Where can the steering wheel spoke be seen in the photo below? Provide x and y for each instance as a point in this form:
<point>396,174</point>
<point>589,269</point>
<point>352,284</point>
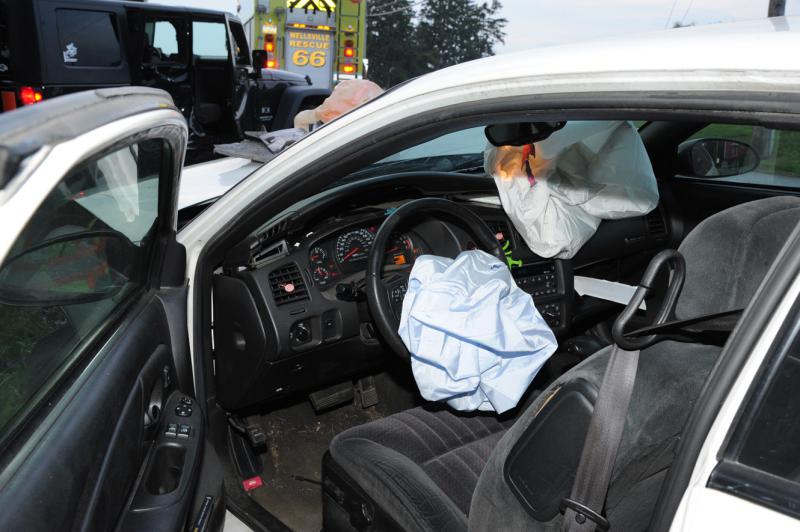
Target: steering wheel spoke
<point>396,285</point>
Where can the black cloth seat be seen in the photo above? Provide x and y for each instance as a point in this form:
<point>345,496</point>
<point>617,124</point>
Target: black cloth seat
<point>447,453</point>
<point>434,469</point>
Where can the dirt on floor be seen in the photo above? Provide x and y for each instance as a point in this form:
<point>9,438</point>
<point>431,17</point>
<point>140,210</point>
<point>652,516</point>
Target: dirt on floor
<point>297,438</point>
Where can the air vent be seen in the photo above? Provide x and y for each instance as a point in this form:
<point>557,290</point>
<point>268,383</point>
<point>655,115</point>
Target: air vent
<point>270,253</point>
<point>500,226</point>
<point>275,230</point>
<point>656,226</point>
<point>287,285</point>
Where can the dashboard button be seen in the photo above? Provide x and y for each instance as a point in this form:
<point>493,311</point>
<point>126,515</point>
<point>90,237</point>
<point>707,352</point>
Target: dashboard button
<point>300,333</point>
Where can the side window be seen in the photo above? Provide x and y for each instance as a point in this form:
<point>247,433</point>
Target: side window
<point>744,154</point>
<point>772,442</point>
<point>76,262</point>
<point>209,40</point>
<point>88,38</point>
<point>762,461</point>
<point>163,44</point>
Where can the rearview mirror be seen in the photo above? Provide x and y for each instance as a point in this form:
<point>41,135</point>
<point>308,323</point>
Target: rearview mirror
<point>76,268</point>
<point>520,134</point>
<point>712,158</point>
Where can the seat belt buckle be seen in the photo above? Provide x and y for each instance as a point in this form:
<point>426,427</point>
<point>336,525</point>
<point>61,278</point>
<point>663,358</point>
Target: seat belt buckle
<point>583,512</point>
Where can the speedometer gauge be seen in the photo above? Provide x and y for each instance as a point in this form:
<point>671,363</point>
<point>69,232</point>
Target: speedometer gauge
<point>353,246</point>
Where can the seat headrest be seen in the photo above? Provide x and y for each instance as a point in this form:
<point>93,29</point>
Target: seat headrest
<point>728,254</point>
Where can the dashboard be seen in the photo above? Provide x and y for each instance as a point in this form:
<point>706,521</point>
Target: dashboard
<point>346,252</point>
<point>290,311</point>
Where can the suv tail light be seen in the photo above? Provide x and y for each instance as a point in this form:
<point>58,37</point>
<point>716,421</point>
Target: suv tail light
<point>29,95</point>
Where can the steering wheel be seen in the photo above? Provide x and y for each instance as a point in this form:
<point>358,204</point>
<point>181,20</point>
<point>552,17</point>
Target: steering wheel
<point>385,295</point>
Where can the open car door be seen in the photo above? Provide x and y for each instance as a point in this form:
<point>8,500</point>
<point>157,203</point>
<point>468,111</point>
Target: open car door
<point>99,426</point>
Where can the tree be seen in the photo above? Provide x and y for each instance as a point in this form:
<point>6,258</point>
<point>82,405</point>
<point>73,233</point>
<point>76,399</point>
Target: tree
<point>391,46</point>
<point>454,31</point>
<point>448,32</point>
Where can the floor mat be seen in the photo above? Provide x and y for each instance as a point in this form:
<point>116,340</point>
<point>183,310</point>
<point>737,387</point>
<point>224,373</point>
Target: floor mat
<point>297,438</point>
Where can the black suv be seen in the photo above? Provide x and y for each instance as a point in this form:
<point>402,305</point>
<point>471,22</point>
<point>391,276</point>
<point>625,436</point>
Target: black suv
<point>201,57</point>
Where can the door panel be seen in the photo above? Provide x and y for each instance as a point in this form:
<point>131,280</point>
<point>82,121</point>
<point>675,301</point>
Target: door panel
<point>103,443</point>
<point>98,426</point>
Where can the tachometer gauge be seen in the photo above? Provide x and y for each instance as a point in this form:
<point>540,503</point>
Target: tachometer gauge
<point>353,246</point>
<point>400,250</point>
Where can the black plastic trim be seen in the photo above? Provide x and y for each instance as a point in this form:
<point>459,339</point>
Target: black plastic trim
<point>757,487</point>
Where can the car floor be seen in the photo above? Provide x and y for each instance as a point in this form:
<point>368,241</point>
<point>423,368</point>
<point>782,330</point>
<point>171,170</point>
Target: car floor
<point>297,438</point>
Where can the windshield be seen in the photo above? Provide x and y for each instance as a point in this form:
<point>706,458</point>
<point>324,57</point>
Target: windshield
<point>460,151</point>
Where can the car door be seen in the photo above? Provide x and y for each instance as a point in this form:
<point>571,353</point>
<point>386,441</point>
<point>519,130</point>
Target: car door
<point>160,55</point>
<point>244,86</point>
<point>99,426</point>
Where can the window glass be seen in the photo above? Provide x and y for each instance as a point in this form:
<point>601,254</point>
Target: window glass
<point>162,42</point>
<point>209,40</point>
<point>771,442</point>
<point>459,151</point>
<point>78,259</point>
<point>88,38</point>
<point>778,152</point>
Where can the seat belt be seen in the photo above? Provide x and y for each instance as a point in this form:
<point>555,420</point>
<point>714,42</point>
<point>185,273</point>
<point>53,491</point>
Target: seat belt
<point>583,510</point>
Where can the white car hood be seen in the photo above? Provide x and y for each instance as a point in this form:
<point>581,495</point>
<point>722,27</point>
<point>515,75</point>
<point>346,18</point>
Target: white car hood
<point>206,181</point>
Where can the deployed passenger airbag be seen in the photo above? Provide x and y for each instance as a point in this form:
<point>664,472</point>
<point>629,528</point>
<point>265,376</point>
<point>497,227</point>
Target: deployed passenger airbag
<point>476,339</point>
<point>557,190</point>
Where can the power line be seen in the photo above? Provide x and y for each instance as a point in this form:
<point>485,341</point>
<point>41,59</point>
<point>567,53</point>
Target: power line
<point>386,4</point>
<point>381,5</point>
<point>400,10</point>
<point>683,18</point>
<point>669,17</point>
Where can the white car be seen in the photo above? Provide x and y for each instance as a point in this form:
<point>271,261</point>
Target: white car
<point>246,371</point>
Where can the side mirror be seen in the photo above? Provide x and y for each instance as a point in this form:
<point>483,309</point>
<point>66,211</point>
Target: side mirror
<point>712,158</point>
<point>259,60</point>
<point>75,268</point>
<point>520,134</point>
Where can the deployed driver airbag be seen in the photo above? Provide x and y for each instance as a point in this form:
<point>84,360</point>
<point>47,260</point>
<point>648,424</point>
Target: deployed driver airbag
<point>476,339</point>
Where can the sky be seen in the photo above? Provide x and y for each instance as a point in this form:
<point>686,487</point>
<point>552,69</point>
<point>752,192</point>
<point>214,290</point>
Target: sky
<point>533,23</point>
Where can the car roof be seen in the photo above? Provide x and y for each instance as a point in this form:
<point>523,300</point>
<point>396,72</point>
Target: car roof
<point>153,6</point>
<point>747,46</point>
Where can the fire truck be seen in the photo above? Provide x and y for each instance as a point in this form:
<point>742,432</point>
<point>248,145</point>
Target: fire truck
<point>322,39</point>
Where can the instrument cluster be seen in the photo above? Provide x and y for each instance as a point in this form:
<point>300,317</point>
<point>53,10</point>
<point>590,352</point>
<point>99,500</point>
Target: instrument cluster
<point>347,253</point>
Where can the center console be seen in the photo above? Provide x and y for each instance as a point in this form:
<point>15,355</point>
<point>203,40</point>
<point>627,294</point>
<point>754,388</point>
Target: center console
<point>550,284</point>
